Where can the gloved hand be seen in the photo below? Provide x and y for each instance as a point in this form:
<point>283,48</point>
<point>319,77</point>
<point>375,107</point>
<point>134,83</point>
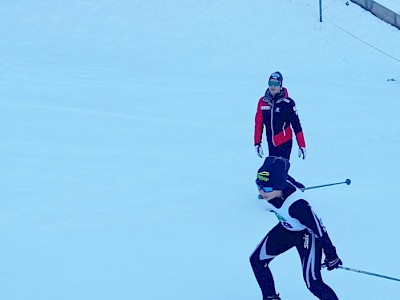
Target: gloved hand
<point>302,152</point>
<point>259,150</point>
<point>333,263</point>
<point>297,184</point>
<point>274,297</point>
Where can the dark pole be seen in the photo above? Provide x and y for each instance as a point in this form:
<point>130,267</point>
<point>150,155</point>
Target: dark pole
<point>320,10</point>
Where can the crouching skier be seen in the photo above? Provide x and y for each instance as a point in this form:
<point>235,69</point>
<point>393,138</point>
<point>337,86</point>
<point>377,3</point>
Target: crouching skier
<point>298,227</point>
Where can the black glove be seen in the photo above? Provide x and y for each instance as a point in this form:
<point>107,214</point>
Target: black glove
<point>259,150</point>
<point>302,152</point>
<point>333,263</point>
<point>293,181</point>
<point>332,260</point>
<point>273,297</point>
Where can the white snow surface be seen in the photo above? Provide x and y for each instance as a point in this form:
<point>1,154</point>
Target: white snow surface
<point>127,159</point>
<point>393,5</point>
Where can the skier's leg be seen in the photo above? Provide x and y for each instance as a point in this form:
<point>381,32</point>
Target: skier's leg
<point>310,251</point>
<point>275,242</point>
<point>283,150</point>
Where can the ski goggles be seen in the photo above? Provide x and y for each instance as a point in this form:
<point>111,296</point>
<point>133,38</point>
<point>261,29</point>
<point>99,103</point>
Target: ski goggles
<point>274,83</point>
<point>265,189</point>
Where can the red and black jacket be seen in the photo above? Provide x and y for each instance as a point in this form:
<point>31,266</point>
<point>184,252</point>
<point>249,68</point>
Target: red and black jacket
<point>280,118</point>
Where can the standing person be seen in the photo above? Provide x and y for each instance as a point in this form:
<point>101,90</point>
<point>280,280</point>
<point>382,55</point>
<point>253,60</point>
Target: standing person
<point>298,227</point>
<point>277,112</point>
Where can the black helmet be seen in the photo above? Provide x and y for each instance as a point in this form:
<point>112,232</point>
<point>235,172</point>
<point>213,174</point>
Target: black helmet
<point>273,173</point>
<point>277,76</point>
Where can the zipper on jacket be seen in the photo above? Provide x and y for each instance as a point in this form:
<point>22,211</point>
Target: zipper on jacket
<point>272,123</point>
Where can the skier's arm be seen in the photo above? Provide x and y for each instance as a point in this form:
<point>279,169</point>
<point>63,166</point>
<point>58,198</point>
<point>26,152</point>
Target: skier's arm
<point>301,210</point>
<point>258,124</point>
<point>295,183</point>
<point>296,125</point>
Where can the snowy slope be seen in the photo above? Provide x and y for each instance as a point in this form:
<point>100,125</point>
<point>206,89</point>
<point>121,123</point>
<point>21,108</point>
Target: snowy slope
<point>127,164</point>
<point>393,5</point>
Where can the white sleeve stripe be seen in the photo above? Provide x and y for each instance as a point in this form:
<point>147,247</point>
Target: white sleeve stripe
<point>320,233</point>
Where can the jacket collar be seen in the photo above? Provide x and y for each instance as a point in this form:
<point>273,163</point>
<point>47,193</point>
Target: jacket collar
<point>278,97</point>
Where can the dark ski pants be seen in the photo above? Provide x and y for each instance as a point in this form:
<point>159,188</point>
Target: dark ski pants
<point>283,150</point>
<point>279,240</point>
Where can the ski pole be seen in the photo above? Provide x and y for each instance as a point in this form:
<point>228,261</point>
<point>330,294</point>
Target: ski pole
<point>347,181</point>
<point>366,273</point>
